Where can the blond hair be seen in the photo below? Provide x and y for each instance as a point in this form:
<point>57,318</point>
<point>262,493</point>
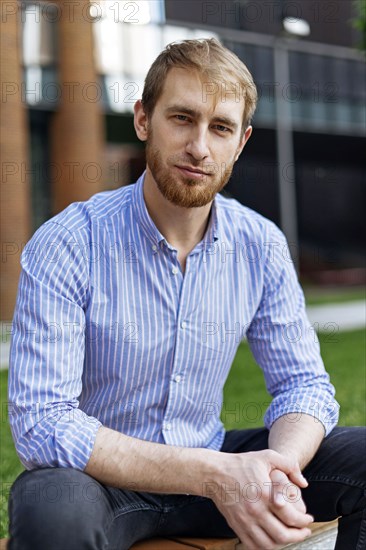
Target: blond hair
<point>212,61</point>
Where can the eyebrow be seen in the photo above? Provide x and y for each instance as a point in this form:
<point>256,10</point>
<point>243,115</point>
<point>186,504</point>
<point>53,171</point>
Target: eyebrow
<point>196,114</point>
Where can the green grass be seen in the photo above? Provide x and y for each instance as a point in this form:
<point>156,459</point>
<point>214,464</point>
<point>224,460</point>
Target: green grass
<point>344,355</point>
<point>10,465</point>
<point>317,295</point>
<point>245,398</point>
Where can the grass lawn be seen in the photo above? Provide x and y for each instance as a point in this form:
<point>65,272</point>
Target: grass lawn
<point>344,355</point>
<point>317,295</point>
<point>245,402</point>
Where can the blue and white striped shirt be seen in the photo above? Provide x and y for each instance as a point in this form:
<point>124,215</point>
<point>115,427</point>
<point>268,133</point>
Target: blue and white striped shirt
<point>108,331</point>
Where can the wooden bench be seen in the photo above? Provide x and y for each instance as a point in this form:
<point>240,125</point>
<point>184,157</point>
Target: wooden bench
<point>320,531</point>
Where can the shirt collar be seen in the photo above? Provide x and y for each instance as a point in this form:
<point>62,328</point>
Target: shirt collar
<point>152,232</point>
<point>142,215</point>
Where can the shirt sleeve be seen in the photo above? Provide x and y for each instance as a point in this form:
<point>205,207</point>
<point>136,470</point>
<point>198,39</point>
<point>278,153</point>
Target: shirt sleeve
<point>285,345</point>
<point>47,353</point>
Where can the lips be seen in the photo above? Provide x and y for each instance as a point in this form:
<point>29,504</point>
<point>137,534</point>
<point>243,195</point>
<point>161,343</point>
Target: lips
<point>193,171</point>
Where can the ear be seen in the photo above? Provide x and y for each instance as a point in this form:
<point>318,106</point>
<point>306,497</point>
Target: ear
<point>244,139</point>
<point>140,121</point>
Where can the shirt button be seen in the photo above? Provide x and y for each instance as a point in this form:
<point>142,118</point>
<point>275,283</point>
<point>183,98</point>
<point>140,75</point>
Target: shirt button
<point>154,247</point>
<point>175,270</point>
<point>168,426</point>
<point>183,324</point>
<point>178,378</point>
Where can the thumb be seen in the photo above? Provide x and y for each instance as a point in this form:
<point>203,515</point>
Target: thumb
<point>290,467</point>
<point>297,477</point>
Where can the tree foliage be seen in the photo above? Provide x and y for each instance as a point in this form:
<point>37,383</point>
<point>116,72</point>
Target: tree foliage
<point>359,21</point>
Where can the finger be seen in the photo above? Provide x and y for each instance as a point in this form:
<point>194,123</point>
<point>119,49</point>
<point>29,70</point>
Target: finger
<point>283,527</point>
<point>283,534</point>
<point>280,499</point>
<point>289,467</point>
<point>257,537</point>
<point>297,477</point>
<point>290,515</point>
<point>283,489</point>
<point>251,535</point>
<point>288,492</point>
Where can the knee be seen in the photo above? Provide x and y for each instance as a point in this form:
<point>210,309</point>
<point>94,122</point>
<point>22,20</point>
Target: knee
<point>57,508</point>
<point>348,444</point>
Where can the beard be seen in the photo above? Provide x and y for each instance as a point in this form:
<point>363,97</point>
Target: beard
<point>184,191</point>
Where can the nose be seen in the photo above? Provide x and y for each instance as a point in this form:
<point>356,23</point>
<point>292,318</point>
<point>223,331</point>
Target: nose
<point>197,145</point>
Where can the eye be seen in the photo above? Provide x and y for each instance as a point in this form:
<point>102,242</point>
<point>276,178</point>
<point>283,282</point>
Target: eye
<point>183,118</point>
<point>221,128</point>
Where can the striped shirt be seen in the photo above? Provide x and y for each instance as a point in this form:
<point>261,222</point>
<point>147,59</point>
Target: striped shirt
<point>108,331</point>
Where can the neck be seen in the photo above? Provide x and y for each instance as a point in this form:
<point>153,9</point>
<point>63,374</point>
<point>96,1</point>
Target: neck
<point>182,227</point>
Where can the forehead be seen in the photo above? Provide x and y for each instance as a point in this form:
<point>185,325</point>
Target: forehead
<point>189,88</point>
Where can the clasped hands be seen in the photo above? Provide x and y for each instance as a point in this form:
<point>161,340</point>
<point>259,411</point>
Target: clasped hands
<point>260,498</point>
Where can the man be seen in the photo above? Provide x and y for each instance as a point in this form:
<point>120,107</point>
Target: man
<point>116,373</point>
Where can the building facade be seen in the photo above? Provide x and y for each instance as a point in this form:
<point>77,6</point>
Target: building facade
<point>72,70</point>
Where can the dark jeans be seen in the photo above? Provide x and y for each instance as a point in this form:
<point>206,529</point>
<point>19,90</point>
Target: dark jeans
<point>62,508</point>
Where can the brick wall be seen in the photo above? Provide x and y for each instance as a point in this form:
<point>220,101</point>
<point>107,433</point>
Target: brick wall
<point>77,132</point>
<point>15,183</point>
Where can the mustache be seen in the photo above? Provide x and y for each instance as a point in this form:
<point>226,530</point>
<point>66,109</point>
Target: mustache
<point>206,166</point>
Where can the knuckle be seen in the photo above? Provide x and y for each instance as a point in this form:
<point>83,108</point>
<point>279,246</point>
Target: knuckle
<point>254,511</point>
<point>291,523</point>
<point>284,538</point>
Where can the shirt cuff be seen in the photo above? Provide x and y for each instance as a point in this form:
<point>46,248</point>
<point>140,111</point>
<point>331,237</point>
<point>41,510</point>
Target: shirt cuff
<point>58,440</point>
<point>325,409</point>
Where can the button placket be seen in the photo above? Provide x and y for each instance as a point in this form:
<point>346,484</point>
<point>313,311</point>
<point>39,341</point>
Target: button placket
<point>182,325</point>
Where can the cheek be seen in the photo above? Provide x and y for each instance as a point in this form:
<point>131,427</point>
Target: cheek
<point>224,152</point>
<point>169,138</point>
<point>177,136</point>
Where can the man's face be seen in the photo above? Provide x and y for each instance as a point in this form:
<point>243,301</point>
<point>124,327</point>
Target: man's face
<point>193,139</point>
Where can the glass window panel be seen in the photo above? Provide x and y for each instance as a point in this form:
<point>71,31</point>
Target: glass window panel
<point>201,33</point>
<point>260,61</point>
<point>141,44</point>
<point>357,77</point>
<point>31,34</point>
<point>136,12</point>
<point>109,46</point>
<point>48,43</point>
<point>170,33</point>
<point>121,93</point>
<point>33,85</point>
<point>157,9</point>
<point>38,35</point>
